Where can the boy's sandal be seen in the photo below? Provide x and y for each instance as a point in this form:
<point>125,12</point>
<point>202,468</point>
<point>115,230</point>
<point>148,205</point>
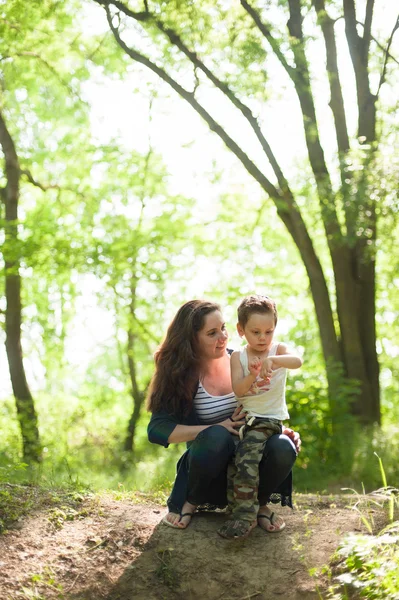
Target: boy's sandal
<point>235,530</point>
<point>276,527</point>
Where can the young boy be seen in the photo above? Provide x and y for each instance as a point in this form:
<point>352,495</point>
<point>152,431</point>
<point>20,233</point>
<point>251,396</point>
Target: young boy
<point>258,373</point>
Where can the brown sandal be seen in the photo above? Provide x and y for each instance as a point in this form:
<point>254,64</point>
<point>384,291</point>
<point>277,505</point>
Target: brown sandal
<point>236,530</point>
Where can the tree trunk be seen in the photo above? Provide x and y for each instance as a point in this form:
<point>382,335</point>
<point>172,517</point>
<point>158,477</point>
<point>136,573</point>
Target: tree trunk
<point>24,402</point>
<point>364,249</point>
<point>137,394</point>
<point>348,342</point>
<point>342,254</point>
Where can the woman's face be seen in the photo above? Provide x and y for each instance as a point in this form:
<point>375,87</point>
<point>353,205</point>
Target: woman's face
<point>212,338</point>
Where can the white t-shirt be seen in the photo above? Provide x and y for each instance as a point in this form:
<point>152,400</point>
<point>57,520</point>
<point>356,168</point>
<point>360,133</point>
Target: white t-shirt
<point>267,401</point>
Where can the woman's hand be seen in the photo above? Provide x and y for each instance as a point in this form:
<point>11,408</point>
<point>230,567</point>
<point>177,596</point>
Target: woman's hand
<point>294,437</point>
<point>234,422</point>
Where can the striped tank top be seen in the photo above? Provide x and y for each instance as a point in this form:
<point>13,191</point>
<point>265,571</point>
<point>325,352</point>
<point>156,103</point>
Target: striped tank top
<point>213,409</point>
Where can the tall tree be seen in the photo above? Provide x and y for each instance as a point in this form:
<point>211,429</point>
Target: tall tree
<point>170,37</point>
<point>138,231</point>
<point>36,98</point>
<point>10,195</point>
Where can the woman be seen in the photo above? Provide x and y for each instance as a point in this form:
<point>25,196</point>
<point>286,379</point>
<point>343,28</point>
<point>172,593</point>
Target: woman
<point>191,400</point>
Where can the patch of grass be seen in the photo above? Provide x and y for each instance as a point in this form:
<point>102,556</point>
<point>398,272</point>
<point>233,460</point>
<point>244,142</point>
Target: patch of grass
<point>157,496</point>
<point>18,500</point>
<point>57,516</point>
<point>166,571</point>
<point>367,565</point>
<point>15,502</point>
<point>45,579</point>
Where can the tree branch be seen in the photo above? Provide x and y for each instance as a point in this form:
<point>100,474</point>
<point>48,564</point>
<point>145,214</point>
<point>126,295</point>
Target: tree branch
<point>267,34</point>
<point>33,181</point>
<point>10,24</point>
<point>350,23</point>
<point>101,42</point>
<point>28,54</point>
<point>250,166</point>
<point>336,103</point>
<point>303,88</point>
<point>301,80</point>
<point>337,100</point>
<point>367,29</point>
<point>147,332</point>
<point>138,16</point>
<point>12,172</point>
<point>287,209</point>
<point>359,52</point>
<point>381,47</point>
<point>177,41</point>
<point>386,56</point>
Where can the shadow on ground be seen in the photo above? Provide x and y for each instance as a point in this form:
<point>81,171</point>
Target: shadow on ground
<point>197,564</point>
<point>118,550</point>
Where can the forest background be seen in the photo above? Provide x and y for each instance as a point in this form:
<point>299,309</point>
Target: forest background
<point>153,152</point>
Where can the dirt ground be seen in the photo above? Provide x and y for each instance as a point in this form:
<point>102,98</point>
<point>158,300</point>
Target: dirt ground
<point>119,550</point>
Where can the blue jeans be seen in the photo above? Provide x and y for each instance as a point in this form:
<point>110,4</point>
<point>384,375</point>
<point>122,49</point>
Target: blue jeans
<point>202,470</point>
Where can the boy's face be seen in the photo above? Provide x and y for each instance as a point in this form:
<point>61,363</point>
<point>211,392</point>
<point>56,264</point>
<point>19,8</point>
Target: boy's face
<point>258,331</point>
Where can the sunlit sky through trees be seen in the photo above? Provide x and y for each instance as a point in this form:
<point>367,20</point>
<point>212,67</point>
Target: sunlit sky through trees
<point>199,165</point>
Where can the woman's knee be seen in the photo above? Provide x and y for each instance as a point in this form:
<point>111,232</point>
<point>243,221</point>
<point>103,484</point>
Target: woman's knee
<point>281,450</point>
<point>214,444</point>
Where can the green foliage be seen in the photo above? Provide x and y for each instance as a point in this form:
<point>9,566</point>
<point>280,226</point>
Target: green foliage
<point>83,446</point>
<point>109,231</point>
<point>42,68</point>
<point>329,437</point>
<point>367,566</point>
<point>20,499</point>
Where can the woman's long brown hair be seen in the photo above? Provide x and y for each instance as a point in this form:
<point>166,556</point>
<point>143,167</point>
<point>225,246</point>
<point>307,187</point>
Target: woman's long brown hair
<point>177,360</point>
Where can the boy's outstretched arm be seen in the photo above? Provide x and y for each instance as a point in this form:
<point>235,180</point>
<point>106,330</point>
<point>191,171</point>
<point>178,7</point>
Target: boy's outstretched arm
<point>286,357</point>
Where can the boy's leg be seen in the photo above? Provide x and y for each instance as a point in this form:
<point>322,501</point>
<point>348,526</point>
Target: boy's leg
<point>231,475</point>
<point>248,455</point>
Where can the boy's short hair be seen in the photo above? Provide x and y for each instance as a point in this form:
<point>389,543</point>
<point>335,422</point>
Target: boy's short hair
<point>256,304</point>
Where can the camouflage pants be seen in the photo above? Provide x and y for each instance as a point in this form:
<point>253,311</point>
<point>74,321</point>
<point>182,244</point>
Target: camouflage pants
<point>243,471</point>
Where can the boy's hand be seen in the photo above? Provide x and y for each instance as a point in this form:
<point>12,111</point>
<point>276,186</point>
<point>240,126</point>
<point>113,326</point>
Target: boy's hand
<point>266,368</point>
<point>255,366</point>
